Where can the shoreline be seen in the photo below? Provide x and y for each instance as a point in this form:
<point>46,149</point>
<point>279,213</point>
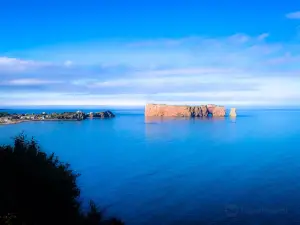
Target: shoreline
<point>6,118</point>
<point>49,120</point>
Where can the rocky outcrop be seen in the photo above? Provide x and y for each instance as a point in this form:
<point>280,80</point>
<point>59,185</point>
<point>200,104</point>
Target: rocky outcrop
<point>184,111</point>
<point>216,111</point>
<point>232,112</point>
<point>105,114</point>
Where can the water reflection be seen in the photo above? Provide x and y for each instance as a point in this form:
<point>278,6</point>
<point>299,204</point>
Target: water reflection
<point>233,119</point>
<point>179,128</point>
<point>151,120</point>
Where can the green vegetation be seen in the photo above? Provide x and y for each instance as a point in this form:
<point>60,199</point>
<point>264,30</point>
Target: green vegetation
<point>2,114</point>
<point>38,189</point>
<point>6,118</point>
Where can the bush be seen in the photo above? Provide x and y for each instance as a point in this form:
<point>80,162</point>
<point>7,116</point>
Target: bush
<point>38,189</point>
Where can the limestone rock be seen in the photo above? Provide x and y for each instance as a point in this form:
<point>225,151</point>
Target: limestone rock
<point>210,108</point>
<point>216,111</point>
<point>232,112</point>
<point>219,111</point>
<point>204,110</point>
<point>183,111</point>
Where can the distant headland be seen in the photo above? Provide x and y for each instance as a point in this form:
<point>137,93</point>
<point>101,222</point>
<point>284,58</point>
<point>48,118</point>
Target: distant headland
<point>7,118</point>
<point>163,110</point>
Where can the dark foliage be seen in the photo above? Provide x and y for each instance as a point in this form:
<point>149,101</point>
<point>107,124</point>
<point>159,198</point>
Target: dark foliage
<point>2,114</point>
<point>38,189</point>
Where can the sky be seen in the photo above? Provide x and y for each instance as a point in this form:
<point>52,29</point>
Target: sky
<point>116,52</point>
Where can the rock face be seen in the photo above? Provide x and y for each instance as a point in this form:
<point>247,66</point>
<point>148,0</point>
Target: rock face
<point>232,112</point>
<point>216,111</point>
<point>105,114</point>
<point>184,111</point>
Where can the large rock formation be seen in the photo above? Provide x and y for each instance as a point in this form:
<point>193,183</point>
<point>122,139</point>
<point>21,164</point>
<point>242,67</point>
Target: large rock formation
<point>216,111</point>
<point>184,111</point>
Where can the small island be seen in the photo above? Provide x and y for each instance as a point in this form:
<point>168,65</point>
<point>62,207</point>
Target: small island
<point>7,118</point>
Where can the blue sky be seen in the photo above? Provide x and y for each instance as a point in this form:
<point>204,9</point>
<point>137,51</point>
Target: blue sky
<point>133,52</point>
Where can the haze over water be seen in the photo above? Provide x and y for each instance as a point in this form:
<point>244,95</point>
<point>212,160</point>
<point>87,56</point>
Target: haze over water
<point>175,171</point>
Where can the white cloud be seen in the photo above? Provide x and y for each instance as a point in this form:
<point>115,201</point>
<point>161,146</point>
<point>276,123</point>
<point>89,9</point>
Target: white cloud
<point>26,82</point>
<point>263,36</point>
<point>293,15</point>
<point>239,38</point>
<point>14,61</point>
<point>238,69</point>
<point>68,63</point>
<point>14,64</point>
<point>8,64</point>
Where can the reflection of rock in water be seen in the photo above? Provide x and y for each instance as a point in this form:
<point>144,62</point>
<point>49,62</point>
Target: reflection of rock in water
<point>165,128</point>
<point>162,128</point>
<point>153,128</point>
<point>211,118</point>
<point>152,120</point>
<point>160,119</point>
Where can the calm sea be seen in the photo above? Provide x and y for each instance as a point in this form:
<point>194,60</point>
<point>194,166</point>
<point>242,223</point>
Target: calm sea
<point>182,171</point>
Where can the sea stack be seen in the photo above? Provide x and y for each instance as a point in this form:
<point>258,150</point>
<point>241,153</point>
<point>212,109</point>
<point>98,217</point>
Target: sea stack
<point>232,112</point>
<point>163,110</point>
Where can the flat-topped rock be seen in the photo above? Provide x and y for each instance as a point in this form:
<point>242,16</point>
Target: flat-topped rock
<point>184,111</point>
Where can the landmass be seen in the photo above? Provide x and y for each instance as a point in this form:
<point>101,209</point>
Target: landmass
<point>163,110</point>
<point>7,118</point>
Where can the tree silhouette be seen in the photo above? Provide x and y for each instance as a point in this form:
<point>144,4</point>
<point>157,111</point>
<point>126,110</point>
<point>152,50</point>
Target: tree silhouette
<point>38,189</point>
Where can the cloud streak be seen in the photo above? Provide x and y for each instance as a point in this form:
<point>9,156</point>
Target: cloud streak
<point>293,15</point>
<point>25,82</point>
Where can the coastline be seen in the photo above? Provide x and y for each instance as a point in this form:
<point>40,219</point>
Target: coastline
<point>23,121</point>
<point>48,120</point>
<point>11,123</point>
<point>6,118</point>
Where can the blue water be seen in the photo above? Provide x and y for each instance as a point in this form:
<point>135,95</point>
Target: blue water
<point>182,171</point>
